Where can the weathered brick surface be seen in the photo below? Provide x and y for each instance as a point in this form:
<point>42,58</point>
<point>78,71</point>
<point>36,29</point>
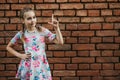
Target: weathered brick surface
<point>91,30</point>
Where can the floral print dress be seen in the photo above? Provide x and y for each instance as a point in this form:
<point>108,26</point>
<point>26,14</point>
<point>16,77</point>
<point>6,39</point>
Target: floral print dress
<point>37,67</point>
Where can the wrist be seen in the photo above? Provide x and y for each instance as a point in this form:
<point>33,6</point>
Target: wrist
<point>57,28</point>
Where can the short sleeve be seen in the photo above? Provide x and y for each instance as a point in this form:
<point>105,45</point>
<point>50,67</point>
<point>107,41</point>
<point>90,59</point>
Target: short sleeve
<point>51,36</point>
<point>16,38</point>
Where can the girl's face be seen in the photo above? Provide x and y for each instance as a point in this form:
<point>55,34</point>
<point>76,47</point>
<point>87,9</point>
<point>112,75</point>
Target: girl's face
<point>30,19</point>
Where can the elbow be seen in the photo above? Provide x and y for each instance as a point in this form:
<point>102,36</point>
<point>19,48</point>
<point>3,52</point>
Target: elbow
<point>7,48</point>
<point>61,43</point>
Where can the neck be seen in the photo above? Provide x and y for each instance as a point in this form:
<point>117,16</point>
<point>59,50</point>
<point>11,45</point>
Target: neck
<point>31,28</point>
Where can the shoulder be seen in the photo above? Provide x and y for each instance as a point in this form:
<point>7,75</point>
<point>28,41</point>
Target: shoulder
<point>43,29</point>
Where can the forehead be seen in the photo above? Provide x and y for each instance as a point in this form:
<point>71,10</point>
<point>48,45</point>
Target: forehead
<point>29,14</point>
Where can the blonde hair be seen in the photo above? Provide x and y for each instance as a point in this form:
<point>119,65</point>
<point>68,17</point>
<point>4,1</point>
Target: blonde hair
<point>22,12</point>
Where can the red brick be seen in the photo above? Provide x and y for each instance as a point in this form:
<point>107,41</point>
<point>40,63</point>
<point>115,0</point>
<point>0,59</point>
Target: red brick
<point>82,33</point>
<point>88,73</point>
<point>84,40</point>
<point>71,40</point>
<point>12,1</point>
<point>9,60</point>
<point>24,1</point>
<point>1,26</point>
<point>81,13</point>
<point>70,78</point>
<point>2,1</point>
<point>20,6</point>
<point>70,53</point>
<point>63,73</point>
<point>95,53</point>
<point>43,19</point>
<point>107,33</point>
<point>66,33</point>
<point>38,13</point>
<point>106,12</point>
<point>37,1</point>
<point>112,0</point>
<point>10,13</point>
<point>3,53</point>
<point>74,0</point>
<point>2,47</point>
<point>59,47</point>
<point>47,6</point>
<point>71,6</point>
<point>4,6</point>
<point>3,78</point>
<point>4,20</point>
<point>58,12</point>
<point>2,41</point>
<point>84,66</point>
<point>47,13</point>
<point>71,13</point>
<point>109,73</point>
<point>117,66</point>
<point>60,1</point>
<point>93,13</point>
<point>72,66</point>
<point>108,39</point>
<point>98,78</point>
<point>83,60</point>
<point>83,46</point>
<point>95,66</point>
<point>96,40</point>
<point>117,25</point>
<point>69,19</point>
<point>111,78</point>
<point>7,73</point>
<point>15,20</point>
<point>107,59</point>
<point>108,26</point>
<point>11,67</point>
<point>59,66</point>
<point>10,27</point>
<point>58,53</point>
<point>83,53</point>
<point>99,0</point>
<point>92,19</point>
<point>71,27</point>
<point>83,26</point>
<point>114,5</point>
<point>117,39</point>
<point>51,1</point>
<point>108,46</point>
<point>107,53</point>
<point>2,67</point>
<point>59,60</point>
<point>112,19</point>
<point>108,66</point>
<point>86,0</point>
<point>95,26</point>
<point>116,12</point>
<point>116,53</point>
<point>2,13</point>
<point>96,6</point>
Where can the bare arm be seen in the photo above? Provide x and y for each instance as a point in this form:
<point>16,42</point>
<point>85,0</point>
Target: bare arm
<point>59,38</point>
<point>14,52</point>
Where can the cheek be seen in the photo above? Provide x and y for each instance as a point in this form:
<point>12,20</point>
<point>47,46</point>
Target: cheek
<point>27,22</point>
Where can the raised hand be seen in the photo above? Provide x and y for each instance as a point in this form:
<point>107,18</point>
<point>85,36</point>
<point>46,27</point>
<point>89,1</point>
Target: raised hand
<point>54,22</point>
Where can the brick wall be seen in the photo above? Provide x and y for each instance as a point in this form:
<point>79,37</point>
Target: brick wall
<point>91,31</point>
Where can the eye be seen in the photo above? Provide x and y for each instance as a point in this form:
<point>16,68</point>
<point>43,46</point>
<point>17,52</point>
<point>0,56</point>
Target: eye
<point>29,18</point>
<point>34,17</point>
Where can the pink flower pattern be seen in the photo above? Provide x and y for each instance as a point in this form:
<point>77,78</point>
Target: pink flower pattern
<point>37,67</point>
